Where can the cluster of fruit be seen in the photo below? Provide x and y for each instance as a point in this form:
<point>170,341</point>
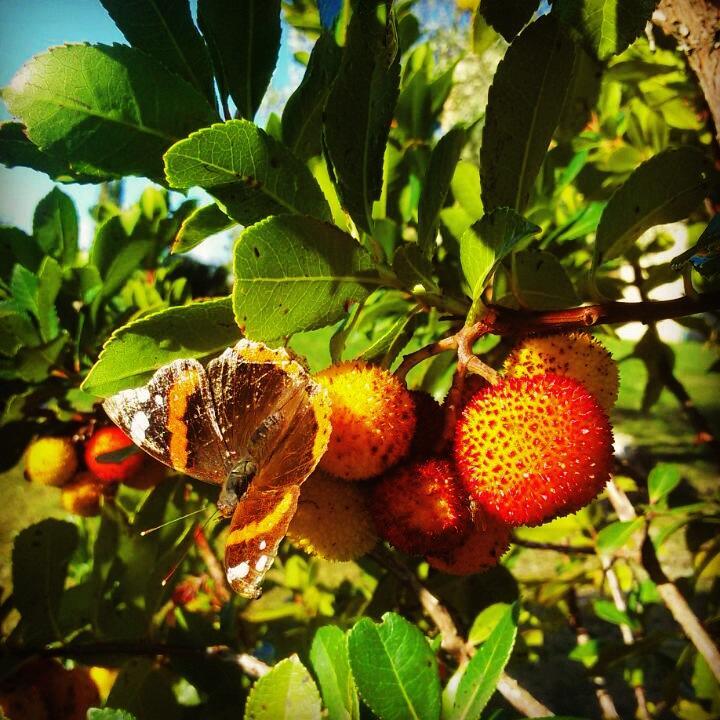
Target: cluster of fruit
<point>533,446</point>
<point>43,689</point>
<point>53,460</point>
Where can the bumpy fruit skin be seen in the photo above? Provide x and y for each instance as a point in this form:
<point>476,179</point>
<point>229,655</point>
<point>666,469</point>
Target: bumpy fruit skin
<point>332,519</point>
<point>373,420</point>
<point>82,495</point>
<point>578,355</point>
<point>482,549</point>
<point>421,507</point>
<point>106,440</point>
<point>531,449</point>
<point>51,461</point>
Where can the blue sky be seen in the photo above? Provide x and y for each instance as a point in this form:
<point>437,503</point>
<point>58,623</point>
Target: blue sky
<point>28,27</point>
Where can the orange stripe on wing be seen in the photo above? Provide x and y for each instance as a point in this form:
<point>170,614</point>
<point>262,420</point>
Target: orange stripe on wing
<point>184,386</point>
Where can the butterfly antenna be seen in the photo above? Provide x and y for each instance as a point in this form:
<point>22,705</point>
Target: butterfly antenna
<point>147,531</point>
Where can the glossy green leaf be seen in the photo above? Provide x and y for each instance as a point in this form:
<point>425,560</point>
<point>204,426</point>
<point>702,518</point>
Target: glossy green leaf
<point>488,242</point>
<point>40,558</point>
<point>606,26</point>
<point>199,226</point>
<point>329,658</point>
<point>296,273</point>
<point>666,188</point>
<point>302,116</point>
<point>250,173</point>
<point>244,40</point>
<point>606,610</point>
<point>524,105</point>
<point>17,150</point>
<point>389,345</point>
<point>508,17</point>
<point>16,329</point>
<point>107,110</point>
<point>18,247</point>
<point>662,480</point>
<point>165,30</point>
<point>287,692</point>
<point>135,351</point>
<point>465,186</point>
<point>540,282</point>
<point>360,107</point>
<point>443,161</point>
<point>55,226</point>
<point>37,293</point>
<point>615,535</point>
<point>109,714</point>
<point>483,672</point>
<point>394,669</point>
<point>486,621</point>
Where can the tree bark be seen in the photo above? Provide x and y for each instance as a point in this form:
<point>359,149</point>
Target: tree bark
<point>695,25</point>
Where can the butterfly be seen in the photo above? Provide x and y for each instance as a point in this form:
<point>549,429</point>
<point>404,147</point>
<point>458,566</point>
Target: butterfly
<point>252,421</point>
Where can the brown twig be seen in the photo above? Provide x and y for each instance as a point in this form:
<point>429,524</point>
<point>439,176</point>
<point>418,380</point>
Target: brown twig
<point>605,701</point>
<point>668,591</point>
<point>452,641</point>
<point>250,665</point>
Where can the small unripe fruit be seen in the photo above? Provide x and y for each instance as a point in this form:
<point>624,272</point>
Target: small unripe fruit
<point>578,355</point>
<point>107,440</point>
<point>421,507</point>
<point>531,449</point>
<point>51,461</point>
<point>332,519</point>
<point>482,549</point>
<point>82,495</point>
<point>373,420</point>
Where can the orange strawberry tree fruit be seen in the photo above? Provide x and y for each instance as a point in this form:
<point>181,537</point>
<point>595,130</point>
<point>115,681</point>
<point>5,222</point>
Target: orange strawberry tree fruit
<point>467,255</point>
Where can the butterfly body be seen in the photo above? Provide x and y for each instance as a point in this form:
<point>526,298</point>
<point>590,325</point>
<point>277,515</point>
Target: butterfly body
<point>254,422</point>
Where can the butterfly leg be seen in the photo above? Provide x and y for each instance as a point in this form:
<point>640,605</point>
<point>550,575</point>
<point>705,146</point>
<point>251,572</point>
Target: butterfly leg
<point>235,485</point>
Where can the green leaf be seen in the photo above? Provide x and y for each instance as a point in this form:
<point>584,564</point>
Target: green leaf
<point>40,558</point>
<point>107,110</point>
<point>486,621</point>
<point>662,480</point>
<point>329,658</point>
<point>394,669</point>
<point>296,273</point>
<point>55,226</point>
<point>250,173</point>
<point>606,26</point>
<point>200,225</point>
<point>666,188</point>
<point>32,364</point>
<point>443,162</point>
<point>16,150</point>
<point>414,269</point>
<point>302,116</point>
<point>116,256</point>
<point>287,692</point>
<point>360,108</point>
<point>165,30</point>
<point>524,105</point>
<point>18,247</point>
<point>135,351</point>
<point>244,40</point>
<point>703,256</point>
<point>540,282</point>
<point>109,714</point>
<point>483,672</point>
<point>488,242</point>
<point>16,329</point>
<point>508,17</point>
<point>389,345</point>
<point>465,187</point>
<point>615,535</point>
<point>143,688</point>
<point>37,293</point>
<point>607,611</point>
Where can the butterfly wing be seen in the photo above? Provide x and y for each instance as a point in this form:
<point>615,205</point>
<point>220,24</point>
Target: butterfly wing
<point>173,419</point>
<point>270,410</point>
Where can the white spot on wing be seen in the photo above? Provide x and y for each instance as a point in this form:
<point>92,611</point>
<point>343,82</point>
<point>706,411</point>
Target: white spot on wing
<point>262,563</point>
<point>262,545</point>
<point>138,427</point>
<point>143,395</point>
<point>238,572</point>
<point>159,400</point>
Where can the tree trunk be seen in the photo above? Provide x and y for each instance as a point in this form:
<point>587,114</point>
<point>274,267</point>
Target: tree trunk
<point>695,25</point>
